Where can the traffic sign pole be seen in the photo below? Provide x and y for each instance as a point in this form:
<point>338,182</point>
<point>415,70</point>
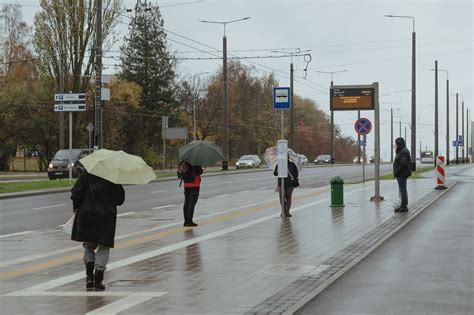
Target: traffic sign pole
<point>377,196</point>
<point>363,160</point>
<point>70,147</point>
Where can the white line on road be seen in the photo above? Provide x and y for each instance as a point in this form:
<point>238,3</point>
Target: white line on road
<point>124,304</point>
<point>47,207</point>
<point>15,234</point>
<point>86,293</point>
<point>158,191</point>
<point>223,195</point>
<point>161,207</point>
<point>124,214</point>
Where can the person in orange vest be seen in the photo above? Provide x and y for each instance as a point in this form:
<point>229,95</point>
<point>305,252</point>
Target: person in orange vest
<point>191,194</point>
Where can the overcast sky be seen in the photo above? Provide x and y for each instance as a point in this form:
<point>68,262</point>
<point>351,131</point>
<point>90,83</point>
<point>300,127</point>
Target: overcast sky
<point>352,35</point>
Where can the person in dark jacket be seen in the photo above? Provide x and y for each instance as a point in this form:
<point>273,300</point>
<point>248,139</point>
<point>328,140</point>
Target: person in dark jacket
<point>290,183</point>
<point>95,202</point>
<point>401,171</point>
<point>191,195</point>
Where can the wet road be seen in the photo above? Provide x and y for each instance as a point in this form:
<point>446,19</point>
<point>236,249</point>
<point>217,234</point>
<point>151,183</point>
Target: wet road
<point>48,211</point>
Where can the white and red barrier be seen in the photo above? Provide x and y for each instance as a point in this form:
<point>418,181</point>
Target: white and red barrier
<point>441,173</point>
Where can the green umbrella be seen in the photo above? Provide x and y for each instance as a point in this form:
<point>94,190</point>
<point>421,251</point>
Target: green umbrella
<point>201,153</point>
<point>118,167</point>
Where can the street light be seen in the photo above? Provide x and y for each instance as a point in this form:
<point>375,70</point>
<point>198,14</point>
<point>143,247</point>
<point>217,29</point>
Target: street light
<point>391,127</point>
<point>332,112</point>
<point>413,87</point>
<point>225,163</point>
<point>447,113</point>
<point>194,102</point>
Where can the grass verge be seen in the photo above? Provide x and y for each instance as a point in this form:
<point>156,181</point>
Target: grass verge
<point>6,187</point>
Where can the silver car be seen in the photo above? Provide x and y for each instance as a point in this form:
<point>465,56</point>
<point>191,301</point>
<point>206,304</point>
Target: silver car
<point>248,161</point>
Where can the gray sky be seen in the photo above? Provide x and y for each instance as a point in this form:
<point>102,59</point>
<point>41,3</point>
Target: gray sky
<point>352,35</point>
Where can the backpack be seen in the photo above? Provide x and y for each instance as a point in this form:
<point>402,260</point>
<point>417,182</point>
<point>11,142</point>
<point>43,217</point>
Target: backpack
<point>185,172</point>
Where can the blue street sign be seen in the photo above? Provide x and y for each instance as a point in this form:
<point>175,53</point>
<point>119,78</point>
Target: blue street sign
<point>363,142</point>
<point>281,98</point>
<point>460,144</point>
<point>455,143</point>
<point>363,126</point>
<point>460,138</point>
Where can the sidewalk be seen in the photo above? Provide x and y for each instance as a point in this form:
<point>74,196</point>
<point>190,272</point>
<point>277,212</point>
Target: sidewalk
<point>243,258</point>
<point>426,268</point>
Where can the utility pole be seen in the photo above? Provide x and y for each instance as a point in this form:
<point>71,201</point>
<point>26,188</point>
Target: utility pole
<point>413,88</point>
<point>98,75</point>
<point>358,140</point>
<point>467,135</point>
<point>457,128</point>
<point>61,90</point>
<point>391,135</point>
<point>436,113</point>
<point>400,130</point>
<point>292,107</point>
<point>332,112</point>
<point>225,163</point>
<point>462,130</point>
<point>447,120</point>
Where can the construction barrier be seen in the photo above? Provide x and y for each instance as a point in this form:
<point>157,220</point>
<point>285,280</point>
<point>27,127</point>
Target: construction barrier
<point>441,173</point>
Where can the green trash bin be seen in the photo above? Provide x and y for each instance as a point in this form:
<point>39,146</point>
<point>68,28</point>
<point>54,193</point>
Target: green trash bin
<point>337,192</point>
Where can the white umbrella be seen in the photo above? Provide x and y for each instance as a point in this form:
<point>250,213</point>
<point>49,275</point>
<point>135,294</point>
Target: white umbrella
<point>271,158</point>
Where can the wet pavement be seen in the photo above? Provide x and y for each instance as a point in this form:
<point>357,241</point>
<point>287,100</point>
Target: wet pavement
<point>241,259</point>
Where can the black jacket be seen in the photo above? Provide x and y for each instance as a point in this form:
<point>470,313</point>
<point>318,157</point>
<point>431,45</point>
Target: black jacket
<point>292,179</point>
<point>402,163</point>
<point>95,201</point>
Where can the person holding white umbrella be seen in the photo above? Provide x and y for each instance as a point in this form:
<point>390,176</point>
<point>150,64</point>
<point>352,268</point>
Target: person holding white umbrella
<point>96,195</point>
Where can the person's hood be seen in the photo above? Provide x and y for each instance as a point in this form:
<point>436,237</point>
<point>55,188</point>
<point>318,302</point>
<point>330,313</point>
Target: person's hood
<point>400,142</point>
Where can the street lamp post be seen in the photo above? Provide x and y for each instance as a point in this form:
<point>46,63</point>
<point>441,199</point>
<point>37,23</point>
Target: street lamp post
<point>413,88</point>
<point>332,112</point>
<point>225,163</point>
<point>391,127</point>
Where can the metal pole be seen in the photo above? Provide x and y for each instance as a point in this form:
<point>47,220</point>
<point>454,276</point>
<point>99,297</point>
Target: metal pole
<point>377,196</point>
<point>363,166</point>
<point>358,140</point>
<point>436,113</point>
<point>391,135</point>
<point>406,134</point>
<point>413,100</point>
<point>466,143</point>
<point>332,130</point>
<point>400,129</point>
<point>194,117</point>
<point>462,131</point>
<point>282,180</point>
<point>226,121</point>
<point>447,122</point>
<point>457,127</point>
<point>61,90</point>
<point>98,74</point>
<point>70,147</point>
<point>292,125</point>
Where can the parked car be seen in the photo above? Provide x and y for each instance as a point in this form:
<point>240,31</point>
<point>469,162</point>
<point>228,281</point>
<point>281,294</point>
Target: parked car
<point>303,159</point>
<point>372,159</point>
<point>248,161</point>
<point>323,159</point>
<point>356,159</point>
<point>59,165</point>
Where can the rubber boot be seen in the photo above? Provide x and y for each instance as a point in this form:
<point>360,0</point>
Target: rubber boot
<point>90,276</point>
<point>98,277</point>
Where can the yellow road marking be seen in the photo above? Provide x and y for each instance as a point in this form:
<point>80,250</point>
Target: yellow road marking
<point>152,237</point>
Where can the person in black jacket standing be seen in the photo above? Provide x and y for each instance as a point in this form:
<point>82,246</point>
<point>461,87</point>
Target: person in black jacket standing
<point>95,202</point>
<point>401,171</point>
<point>290,183</point>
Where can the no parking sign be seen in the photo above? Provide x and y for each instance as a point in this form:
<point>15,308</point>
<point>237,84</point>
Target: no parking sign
<point>363,126</point>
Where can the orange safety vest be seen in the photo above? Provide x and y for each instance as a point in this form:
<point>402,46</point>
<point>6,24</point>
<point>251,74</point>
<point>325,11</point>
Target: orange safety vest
<point>195,184</point>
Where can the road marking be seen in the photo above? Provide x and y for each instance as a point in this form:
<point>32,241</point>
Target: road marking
<point>124,214</point>
<point>164,250</point>
<point>15,234</point>
<point>220,196</point>
<point>161,207</point>
<point>158,191</point>
<point>47,207</point>
<point>84,293</point>
<point>124,304</point>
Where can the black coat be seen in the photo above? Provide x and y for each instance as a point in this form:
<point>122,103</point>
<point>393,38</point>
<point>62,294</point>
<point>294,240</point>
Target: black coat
<point>402,163</point>
<point>95,201</point>
<point>290,181</point>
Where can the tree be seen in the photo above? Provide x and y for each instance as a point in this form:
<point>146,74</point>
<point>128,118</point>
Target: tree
<point>65,35</point>
<point>147,61</point>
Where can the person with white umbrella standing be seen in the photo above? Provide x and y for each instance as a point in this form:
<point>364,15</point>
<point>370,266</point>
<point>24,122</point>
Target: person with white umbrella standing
<point>96,195</point>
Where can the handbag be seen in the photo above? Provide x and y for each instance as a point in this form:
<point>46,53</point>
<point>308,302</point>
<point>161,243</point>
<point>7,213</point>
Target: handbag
<point>67,227</point>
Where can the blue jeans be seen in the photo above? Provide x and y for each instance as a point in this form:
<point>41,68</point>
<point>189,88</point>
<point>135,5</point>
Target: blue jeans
<point>402,188</point>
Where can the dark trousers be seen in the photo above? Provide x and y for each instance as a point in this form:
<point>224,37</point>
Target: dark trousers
<point>402,188</point>
<point>288,195</point>
<point>191,196</point>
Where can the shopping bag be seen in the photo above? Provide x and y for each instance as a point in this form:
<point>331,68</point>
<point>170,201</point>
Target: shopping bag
<point>67,227</point>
